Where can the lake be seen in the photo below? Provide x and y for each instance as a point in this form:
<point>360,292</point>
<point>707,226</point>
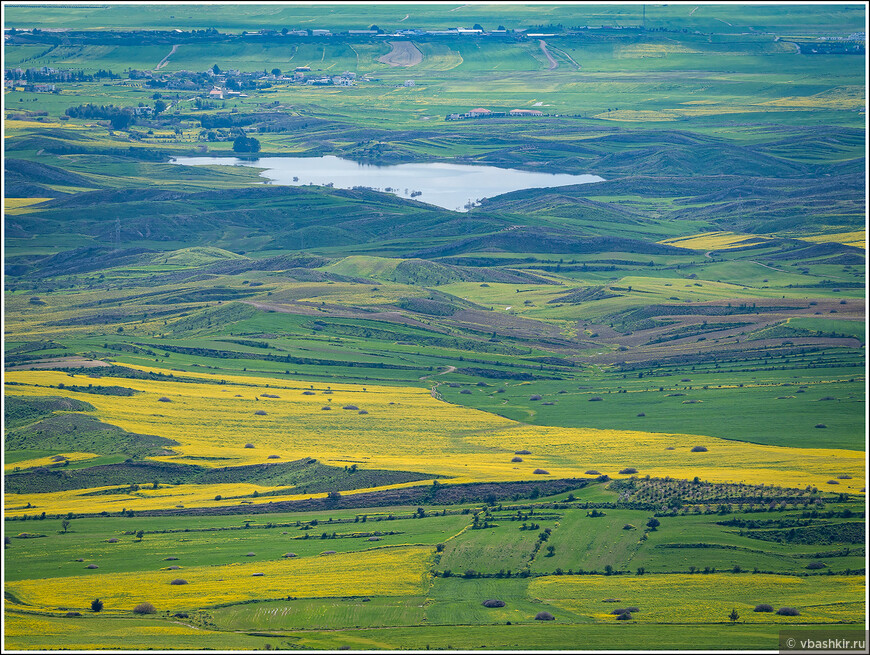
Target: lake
<point>452,186</point>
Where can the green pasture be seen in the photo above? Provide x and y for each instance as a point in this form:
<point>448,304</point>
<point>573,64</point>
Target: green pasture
<point>210,541</point>
<point>802,398</point>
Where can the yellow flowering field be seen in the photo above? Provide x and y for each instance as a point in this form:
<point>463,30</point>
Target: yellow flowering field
<point>707,598</point>
<point>166,497</point>
<point>394,571</point>
<point>857,238</point>
<point>13,205</point>
<point>714,241</point>
<point>47,460</point>
<point>407,429</point>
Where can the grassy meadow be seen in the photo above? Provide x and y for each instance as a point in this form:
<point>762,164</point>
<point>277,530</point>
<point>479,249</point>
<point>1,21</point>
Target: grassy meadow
<point>249,416</point>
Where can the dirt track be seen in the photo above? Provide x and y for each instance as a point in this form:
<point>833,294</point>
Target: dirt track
<point>403,53</point>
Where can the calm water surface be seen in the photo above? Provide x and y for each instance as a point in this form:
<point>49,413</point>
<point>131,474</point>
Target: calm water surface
<point>452,186</point>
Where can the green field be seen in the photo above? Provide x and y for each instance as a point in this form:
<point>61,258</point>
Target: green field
<point>708,293</point>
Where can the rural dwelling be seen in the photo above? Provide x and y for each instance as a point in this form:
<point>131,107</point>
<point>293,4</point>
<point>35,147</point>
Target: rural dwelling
<point>480,111</point>
<point>216,94</point>
<point>525,112</point>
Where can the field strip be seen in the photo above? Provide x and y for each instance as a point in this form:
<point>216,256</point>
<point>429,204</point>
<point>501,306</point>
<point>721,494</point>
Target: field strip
<point>165,60</point>
<point>403,53</point>
<point>566,55</point>
<point>553,63</point>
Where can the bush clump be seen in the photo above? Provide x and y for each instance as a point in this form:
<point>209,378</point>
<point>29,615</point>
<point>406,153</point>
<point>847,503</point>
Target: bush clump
<point>113,540</point>
<point>308,393</point>
<point>593,472</point>
<point>163,399</point>
<point>249,445</point>
<point>821,425</point>
<point>70,615</point>
<point>144,608</point>
<point>763,607</point>
<point>179,581</point>
<point>260,412</point>
<point>522,452</point>
<point>362,411</point>
<point>350,407</point>
<point>815,566</point>
<point>493,603</point>
<point>628,471</point>
<point>289,555</point>
<point>251,554</point>
<point>544,616</point>
<point>466,391</point>
<point>174,567</point>
<point>326,408</point>
<point>833,482</point>
<point>517,459</point>
<point>274,457</point>
<point>641,414</point>
<point>788,611</point>
<point>595,399</point>
<point>844,477</point>
<point>699,449</point>
<point>625,616</point>
<point>92,566</point>
<point>257,575</point>
<point>534,397</point>
<point>540,472</point>
<point>169,559</point>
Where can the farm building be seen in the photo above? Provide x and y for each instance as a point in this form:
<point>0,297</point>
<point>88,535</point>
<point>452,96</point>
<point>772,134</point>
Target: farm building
<point>525,112</point>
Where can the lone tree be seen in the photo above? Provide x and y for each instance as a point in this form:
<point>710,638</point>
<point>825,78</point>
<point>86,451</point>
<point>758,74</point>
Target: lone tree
<point>653,523</point>
<point>65,525</point>
<point>243,143</point>
<point>734,615</point>
<point>96,605</point>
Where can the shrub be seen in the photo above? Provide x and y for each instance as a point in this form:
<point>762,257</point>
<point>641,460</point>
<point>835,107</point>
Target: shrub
<point>113,540</point>
<point>699,449</point>
<point>362,411</point>
<point>350,407</point>
<point>169,559</point>
<point>641,414</point>
<point>522,452</point>
<point>328,552</point>
<point>70,615</point>
<point>517,459</point>
<point>625,616</point>
<point>628,526</point>
<point>844,477</point>
<point>260,412</point>
<point>268,395</point>
<point>79,559</point>
<point>466,391</point>
<point>92,566</point>
<point>326,408</point>
<point>833,482</point>
<point>308,393</point>
<point>249,445</point>
<point>374,538</point>
<point>814,566</point>
<point>174,567</point>
<point>788,611</point>
<point>540,472</point>
<point>534,397</point>
<point>257,575</point>
<point>544,616</point>
<point>493,603</point>
<point>592,472</point>
<point>274,457</point>
<point>670,448</point>
<point>289,555</point>
<point>628,471</point>
<point>252,554</point>
<point>821,425</point>
<point>178,581</point>
<point>500,390</point>
<point>763,607</point>
<point>96,605</point>
<point>595,399</point>
<point>144,608</point>
<point>163,399</point>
